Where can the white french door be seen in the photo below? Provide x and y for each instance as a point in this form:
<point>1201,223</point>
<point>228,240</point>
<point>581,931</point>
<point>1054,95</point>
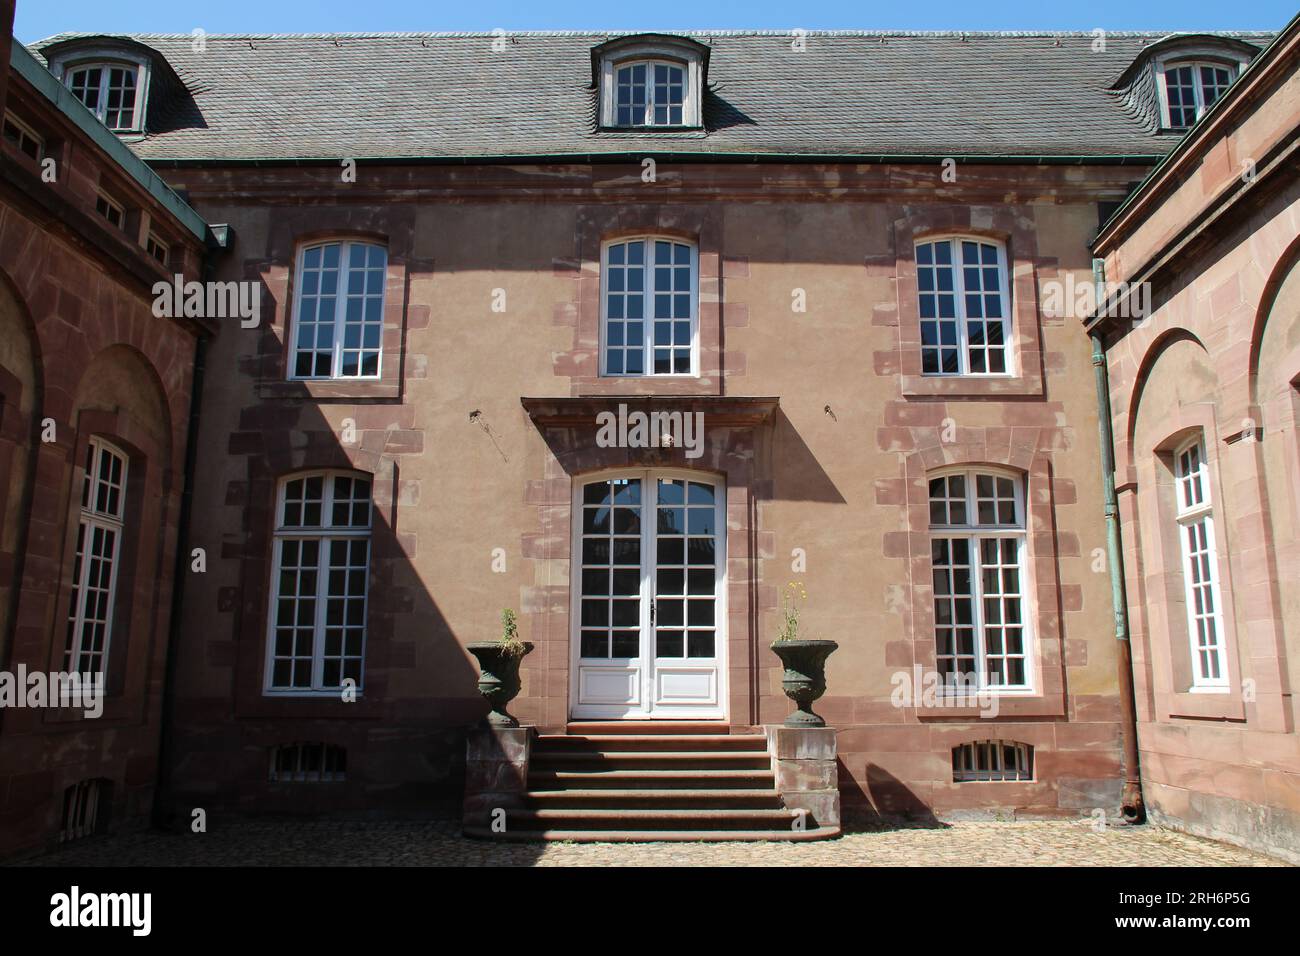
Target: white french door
<point>648,608</point>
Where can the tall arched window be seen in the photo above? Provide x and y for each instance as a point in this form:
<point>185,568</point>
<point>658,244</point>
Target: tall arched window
<point>964,307</point>
<point>1200,568</point>
<point>339,310</point>
<point>649,306</point>
<point>977,551</point>
<point>321,561</point>
<point>95,568</point>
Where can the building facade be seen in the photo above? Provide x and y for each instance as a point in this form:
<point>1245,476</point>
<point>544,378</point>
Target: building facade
<point>96,395</point>
<point>847,293</point>
<point>1204,398</point>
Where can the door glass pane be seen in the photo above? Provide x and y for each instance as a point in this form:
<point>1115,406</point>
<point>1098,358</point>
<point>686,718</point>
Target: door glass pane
<point>685,574</point>
<point>610,606</point>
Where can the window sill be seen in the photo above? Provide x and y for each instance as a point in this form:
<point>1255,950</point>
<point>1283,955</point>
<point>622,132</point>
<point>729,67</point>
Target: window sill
<point>1012,705</point>
<point>1202,705</point>
<point>970,385</point>
<point>650,129</point>
<point>375,389</point>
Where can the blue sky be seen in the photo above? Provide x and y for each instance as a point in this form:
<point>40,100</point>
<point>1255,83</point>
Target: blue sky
<point>40,18</point>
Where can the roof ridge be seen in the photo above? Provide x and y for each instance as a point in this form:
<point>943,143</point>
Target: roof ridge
<point>489,34</point>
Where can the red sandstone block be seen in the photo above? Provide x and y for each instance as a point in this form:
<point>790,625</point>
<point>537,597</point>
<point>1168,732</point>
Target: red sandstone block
<point>735,267</point>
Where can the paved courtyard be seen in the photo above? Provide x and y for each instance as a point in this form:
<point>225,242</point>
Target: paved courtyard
<point>440,844</point>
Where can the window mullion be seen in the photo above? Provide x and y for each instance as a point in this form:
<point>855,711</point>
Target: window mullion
<point>647,308</point>
<point>340,310</point>
<point>322,597</point>
<point>959,308</point>
<point>977,610</point>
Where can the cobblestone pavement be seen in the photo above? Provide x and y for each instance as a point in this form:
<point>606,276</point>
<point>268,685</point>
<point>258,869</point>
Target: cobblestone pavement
<point>440,844</point>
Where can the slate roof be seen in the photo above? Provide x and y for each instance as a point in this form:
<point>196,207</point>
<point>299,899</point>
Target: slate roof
<point>848,94</point>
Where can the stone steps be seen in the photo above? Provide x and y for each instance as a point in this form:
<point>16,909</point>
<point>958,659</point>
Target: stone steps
<point>644,781</point>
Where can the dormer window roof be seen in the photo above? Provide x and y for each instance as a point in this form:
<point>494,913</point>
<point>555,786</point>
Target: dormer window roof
<point>1180,76</point>
<point>113,77</point>
<point>650,81</point>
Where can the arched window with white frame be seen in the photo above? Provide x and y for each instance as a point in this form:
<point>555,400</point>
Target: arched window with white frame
<point>1199,551</point>
<point>95,570</point>
<point>979,561</point>
<point>338,310</point>
<point>319,583</point>
<point>1190,87</point>
<point>649,307</point>
<point>650,93</point>
<point>965,309</point>
<point>113,91</point>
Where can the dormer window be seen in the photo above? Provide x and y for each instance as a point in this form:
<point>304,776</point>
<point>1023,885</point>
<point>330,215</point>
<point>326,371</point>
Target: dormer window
<point>650,94</point>
<point>109,90</point>
<point>650,82</point>
<point>115,77</point>
<point>1192,87</point>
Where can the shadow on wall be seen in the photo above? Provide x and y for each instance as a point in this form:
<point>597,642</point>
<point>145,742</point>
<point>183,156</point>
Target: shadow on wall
<point>885,802</point>
<point>403,738</point>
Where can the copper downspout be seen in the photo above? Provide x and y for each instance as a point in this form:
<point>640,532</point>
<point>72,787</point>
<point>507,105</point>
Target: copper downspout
<point>1131,802</point>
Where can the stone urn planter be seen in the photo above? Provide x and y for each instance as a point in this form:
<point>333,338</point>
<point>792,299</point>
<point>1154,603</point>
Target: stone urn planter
<point>804,679</point>
<point>498,681</point>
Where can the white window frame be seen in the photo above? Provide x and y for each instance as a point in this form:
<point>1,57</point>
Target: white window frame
<point>151,242</point>
<point>26,133</point>
<point>976,532</point>
<point>1195,59</point>
<point>105,68</point>
<point>325,534</point>
<point>345,245</point>
<point>90,519</point>
<point>647,318</point>
<point>649,54</point>
<point>1199,513</point>
<point>115,206</point>
<point>959,300</point>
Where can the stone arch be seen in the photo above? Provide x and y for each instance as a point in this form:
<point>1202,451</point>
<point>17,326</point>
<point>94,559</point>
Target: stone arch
<point>1178,341</point>
<point>121,380</point>
<point>21,397</point>
<point>1275,406</point>
<point>120,398</point>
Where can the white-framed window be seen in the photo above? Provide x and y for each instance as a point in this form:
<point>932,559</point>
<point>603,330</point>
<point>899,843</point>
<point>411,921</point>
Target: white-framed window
<point>649,307</point>
<point>23,138</point>
<point>319,584</point>
<point>650,93</point>
<point>112,91</point>
<point>1190,87</point>
<point>111,210</point>
<point>978,557</point>
<point>650,83</point>
<point>95,567</point>
<point>1195,519</point>
<point>992,760</point>
<point>964,306</point>
<point>339,310</point>
<point>156,248</point>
